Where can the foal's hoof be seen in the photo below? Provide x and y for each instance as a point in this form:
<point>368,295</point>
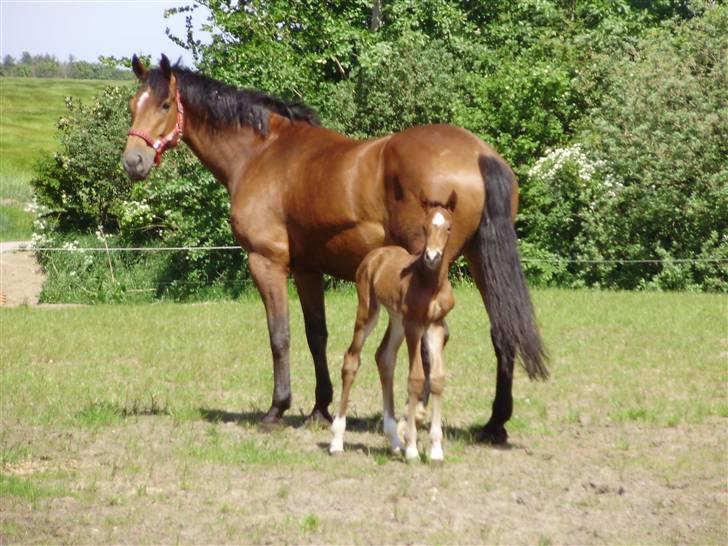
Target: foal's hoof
<point>319,418</point>
<point>493,434</point>
<point>412,456</point>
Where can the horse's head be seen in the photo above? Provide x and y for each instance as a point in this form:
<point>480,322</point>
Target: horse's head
<point>156,118</point>
<point>437,229</point>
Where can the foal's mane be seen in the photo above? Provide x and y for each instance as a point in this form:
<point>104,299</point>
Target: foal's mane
<point>222,105</point>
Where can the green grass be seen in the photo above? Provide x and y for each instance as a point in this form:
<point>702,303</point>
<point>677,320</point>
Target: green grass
<point>29,111</point>
<point>15,223</point>
<point>615,357</point>
<point>27,489</point>
<point>115,414</point>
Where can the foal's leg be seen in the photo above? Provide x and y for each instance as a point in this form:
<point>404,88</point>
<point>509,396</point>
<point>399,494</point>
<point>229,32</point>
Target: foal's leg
<point>435,338</point>
<point>413,334</point>
<point>386,362</point>
<point>366,319</point>
<point>310,287</point>
<point>426,366</point>
<point>271,281</point>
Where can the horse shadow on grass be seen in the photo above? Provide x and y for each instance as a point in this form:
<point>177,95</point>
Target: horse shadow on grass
<point>371,424</point>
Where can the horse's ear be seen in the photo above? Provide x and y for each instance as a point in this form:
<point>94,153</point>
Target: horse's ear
<point>165,67</point>
<point>138,67</point>
<point>452,201</point>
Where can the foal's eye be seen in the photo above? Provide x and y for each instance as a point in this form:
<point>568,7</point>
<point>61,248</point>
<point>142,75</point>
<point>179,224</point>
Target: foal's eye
<point>166,106</point>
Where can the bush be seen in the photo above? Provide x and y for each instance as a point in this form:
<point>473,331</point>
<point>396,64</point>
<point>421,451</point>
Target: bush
<point>658,192</point>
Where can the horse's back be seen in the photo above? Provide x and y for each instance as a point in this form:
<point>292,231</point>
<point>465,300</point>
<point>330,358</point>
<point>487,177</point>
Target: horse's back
<point>429,162</point>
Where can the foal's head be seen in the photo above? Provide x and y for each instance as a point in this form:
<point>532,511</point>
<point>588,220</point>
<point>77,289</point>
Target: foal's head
<point>156,118</point>
<point>437,229</point>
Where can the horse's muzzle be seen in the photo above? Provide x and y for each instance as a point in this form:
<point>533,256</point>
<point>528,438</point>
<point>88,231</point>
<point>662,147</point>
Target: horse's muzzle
<point>136,165</point>
<point>432,258</point>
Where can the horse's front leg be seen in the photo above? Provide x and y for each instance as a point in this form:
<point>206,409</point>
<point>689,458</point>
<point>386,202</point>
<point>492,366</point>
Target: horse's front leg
<point>310,286</point>
<point>271,280</point>
<point>413,334</point>
<point>435,339</point>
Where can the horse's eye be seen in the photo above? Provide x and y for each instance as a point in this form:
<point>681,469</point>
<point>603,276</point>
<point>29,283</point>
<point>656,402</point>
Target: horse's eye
<point>166,106</point>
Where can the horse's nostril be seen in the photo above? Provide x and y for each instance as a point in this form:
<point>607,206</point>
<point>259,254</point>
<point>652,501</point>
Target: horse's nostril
<point>134,164</point>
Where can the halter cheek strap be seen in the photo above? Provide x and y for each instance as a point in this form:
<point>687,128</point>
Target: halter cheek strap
<point>170,140</point>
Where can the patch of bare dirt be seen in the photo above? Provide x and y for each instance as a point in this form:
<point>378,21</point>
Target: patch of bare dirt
<point>21,278</point>
<point>626,484</point>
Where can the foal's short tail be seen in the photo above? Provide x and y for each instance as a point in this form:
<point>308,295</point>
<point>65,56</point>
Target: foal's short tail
<point>509,305</point>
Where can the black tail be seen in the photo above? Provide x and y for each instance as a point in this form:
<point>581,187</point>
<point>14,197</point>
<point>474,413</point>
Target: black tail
<point>509,305</point>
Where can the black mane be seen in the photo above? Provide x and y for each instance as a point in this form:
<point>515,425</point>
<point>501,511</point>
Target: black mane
<point>222,105</point>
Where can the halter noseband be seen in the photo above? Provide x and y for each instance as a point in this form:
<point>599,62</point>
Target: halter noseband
<point>170,140</point>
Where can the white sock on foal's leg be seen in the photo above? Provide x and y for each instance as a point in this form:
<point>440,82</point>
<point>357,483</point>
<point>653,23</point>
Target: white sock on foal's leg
<point>338,427</point>
<point>390,431</point>
<point>436,453</point>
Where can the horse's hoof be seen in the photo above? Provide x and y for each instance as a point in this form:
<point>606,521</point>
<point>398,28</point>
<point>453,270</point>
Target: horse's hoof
<point>436,456</point>
<point>272,420</point>
<point>411,455</point>
<point>319,418</point>
<point>493,434</point>
<point>335,449</point>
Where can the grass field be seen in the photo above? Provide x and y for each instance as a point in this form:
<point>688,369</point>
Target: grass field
<point>138,424</point>
<point>29,111</point>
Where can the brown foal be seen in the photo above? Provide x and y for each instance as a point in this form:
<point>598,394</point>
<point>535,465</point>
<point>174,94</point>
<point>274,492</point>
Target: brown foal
<point>415,291</point>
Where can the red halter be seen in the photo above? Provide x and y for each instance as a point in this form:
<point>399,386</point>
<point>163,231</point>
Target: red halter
<point>170,140</point>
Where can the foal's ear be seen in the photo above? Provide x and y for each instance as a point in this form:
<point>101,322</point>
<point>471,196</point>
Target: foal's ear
<point>165,67</point>
<point>452,201</point>
<point>138,67</point>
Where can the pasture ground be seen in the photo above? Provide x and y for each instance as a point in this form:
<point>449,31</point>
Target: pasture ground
<point>138,424</point>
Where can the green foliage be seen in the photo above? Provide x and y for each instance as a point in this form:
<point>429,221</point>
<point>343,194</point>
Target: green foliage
<point>659,140</point>
<point>660,187</point>
<point>84,183</point>
<point>402,83</point>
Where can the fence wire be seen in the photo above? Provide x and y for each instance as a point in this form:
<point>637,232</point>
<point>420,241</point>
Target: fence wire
<point>556,259</point>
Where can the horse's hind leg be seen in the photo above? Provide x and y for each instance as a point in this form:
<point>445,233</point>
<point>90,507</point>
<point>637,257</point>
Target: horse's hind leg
<point>494,431</point>
<point>386,362</point>
<point>310,287</point>
<point>366,319</point>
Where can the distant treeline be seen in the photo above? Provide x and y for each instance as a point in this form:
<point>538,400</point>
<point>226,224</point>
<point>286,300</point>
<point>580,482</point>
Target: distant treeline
<point>48,66</point>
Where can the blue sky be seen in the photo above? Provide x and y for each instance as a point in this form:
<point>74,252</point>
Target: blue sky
<point>87,29</point>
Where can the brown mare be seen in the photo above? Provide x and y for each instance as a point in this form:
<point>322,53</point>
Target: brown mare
<point>306,200</point>
<point>417,294</point>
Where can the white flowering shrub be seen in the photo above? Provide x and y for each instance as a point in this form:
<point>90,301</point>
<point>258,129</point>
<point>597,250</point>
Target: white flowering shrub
<point>563,198</point>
